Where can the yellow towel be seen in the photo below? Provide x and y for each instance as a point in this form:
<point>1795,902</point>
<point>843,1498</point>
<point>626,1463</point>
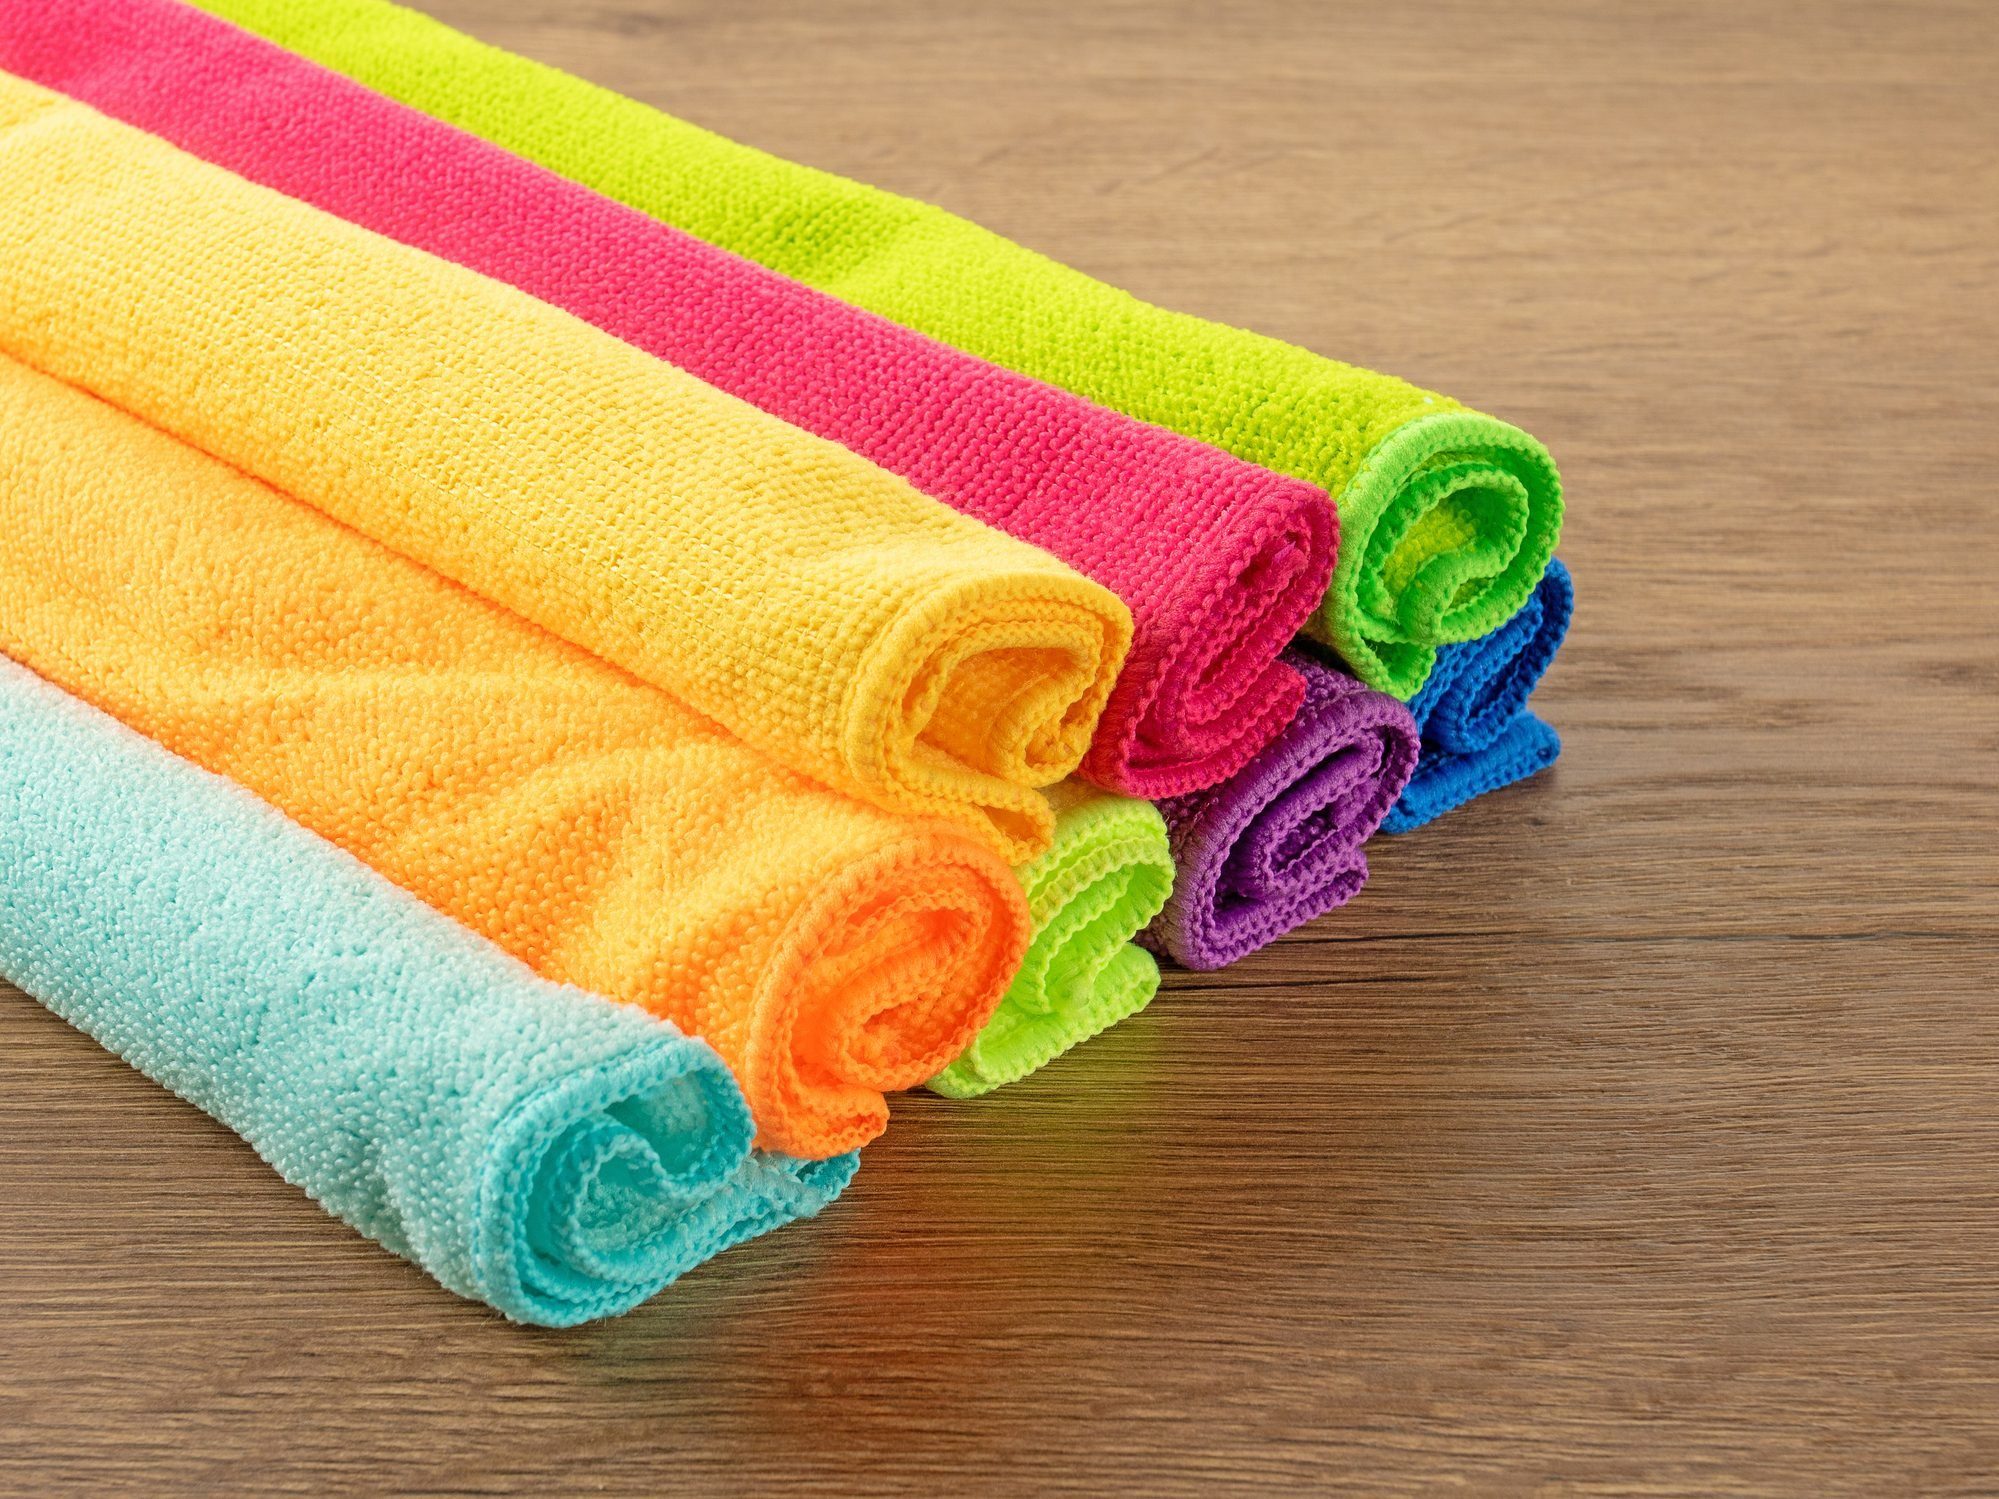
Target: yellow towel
<point>819,608</point>
<point>584,821</point>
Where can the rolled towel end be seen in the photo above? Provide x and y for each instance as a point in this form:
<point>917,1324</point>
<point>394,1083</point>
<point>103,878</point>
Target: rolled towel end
<point>1280,843</point>
<point>625,1234</point>
<point>1203,690</point>
<point>989,692</point>
<point>1448,526</point>
<point>1444,781</point>
<point>1477,733</point>
<point>1480,686</point>
<point>607,1184</point>
<point>883,978</point>
<point>1106,877</point>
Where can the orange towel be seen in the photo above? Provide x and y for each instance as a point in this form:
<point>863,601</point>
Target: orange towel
<point>586,822</point>
<point>816,606</point>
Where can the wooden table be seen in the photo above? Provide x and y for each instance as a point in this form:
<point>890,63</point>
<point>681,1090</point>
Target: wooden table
<point>1633,1133</point>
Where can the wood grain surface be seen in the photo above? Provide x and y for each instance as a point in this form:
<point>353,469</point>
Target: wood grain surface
<point>1635,1133</point>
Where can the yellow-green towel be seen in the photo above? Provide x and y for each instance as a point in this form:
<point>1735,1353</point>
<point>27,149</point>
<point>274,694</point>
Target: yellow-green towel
<point>1107,876</point>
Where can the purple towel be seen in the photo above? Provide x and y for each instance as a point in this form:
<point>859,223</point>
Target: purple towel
<point>1279,842</point>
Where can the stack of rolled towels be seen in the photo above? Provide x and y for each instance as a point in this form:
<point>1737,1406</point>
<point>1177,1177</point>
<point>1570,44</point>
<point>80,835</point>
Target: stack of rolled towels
<point>554,660</point>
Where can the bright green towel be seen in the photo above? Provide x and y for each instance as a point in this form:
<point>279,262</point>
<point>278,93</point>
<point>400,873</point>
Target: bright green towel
<point>1107,875</point>
<point>1448,517</point>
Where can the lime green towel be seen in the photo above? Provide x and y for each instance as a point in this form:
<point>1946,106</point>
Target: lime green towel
<point>1447,517</point>
<point>1107,875</point>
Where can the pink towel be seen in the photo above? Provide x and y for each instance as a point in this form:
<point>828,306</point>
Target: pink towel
<point>1219,561</point>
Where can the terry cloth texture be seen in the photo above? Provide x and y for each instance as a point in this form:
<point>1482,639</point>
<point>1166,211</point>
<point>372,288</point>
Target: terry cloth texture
<point>1220,562</point>
<point>1280,843</point>
<point>1477,732</point>
<point>543,1150</point>
<point>821,609</point>
<point>589,824</point>
<point>1106,877</point>
<point>1447,516</point>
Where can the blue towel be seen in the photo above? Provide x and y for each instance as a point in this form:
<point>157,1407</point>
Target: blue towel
<point>1477,732</point>
<point>548,1152</point>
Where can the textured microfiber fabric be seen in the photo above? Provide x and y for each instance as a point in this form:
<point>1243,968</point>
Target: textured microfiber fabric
<point>1445,781</point>
<point>1219,561</point>
<point>1447,516</point>
<point>1280,842</point>
<point>1106,877</point>
<point>818,607</point>
<point>589,824</point>
<point>534,1147</point>
<point>1477,732</point>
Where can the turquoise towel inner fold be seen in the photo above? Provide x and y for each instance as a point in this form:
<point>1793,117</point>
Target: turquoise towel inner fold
<point>535,1147</point>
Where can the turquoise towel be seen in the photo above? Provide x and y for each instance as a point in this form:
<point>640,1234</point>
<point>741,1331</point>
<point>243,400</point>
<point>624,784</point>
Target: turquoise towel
<point>548,1152</point>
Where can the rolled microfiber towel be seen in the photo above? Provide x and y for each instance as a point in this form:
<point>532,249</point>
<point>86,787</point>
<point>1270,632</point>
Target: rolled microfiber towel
<point>1280,843</point>
<point>1107,876</point>
<point>589,824</point>
<point>1447,516</point>
<point>1477,732</point>
<point>531,1146</point>
<point>1445,780</point>
<point>1220,562</point>
<point>817,607</point>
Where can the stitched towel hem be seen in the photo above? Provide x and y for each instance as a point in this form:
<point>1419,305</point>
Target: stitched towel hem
<point>1107,876</point>
<point>1447,528</point>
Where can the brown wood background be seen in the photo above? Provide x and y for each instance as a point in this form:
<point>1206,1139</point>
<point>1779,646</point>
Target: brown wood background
<point>1633,1133</point>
